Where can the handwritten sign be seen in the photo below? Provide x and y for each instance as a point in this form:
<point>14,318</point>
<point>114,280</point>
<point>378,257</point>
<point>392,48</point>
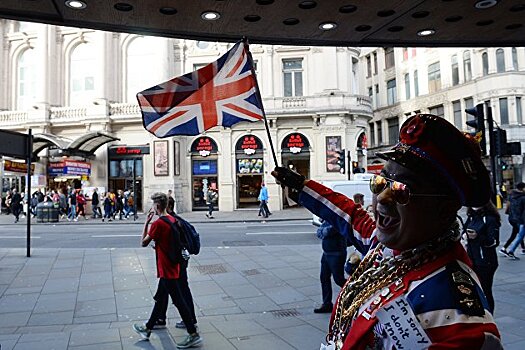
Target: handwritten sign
<point>402,326</point>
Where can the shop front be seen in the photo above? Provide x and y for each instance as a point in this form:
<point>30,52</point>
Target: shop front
<point>295,154</point>
<point>204,170</point>
<point>67,172</point>
<point>249,167</point>
<point>126,170</point>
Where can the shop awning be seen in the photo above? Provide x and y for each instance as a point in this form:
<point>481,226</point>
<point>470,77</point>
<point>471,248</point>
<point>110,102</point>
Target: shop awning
<point>41,141</point>
<point>84,146</point>
<point>90,142</point>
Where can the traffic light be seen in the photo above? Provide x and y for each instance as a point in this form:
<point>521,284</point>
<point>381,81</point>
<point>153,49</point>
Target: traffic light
<point>479,124</point>
<point>500,141</point>
<point>504,165</point>
<point>355,167</point>
<point>341,161</point>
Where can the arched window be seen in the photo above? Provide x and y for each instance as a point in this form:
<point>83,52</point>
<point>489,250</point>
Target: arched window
<point>514,58</point>
<point>485,63</point>
<point>142,69</point>
<point>467,66</point>
<point>455,70</point>
<point>500,60</point>
<point>407,86</point>
<point>26,79</point>
<point>82,74</point>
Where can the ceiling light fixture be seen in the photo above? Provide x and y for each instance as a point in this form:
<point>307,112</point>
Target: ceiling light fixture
<point>327,25</point>
<point>210,15</point>
<point>76,4</point>
<point>485,4</point>
<point>426,32</point>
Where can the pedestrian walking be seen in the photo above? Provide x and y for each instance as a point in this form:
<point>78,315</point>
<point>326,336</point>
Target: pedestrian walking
<point>81,204</point>
<point>168,251</point>
<point>95,204</point>
<point>211,198</point>
<point>108,211</point>
<point>72,203</point>
<point>482,231</point>
<point>263,201</point>
<point>516,212</point>
<point>62,204</point>
<point>414,287</point>
<point>16,204</point>
<point>332,263</point>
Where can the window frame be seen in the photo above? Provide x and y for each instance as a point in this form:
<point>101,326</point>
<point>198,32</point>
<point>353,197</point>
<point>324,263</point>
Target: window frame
<point>293,72</point>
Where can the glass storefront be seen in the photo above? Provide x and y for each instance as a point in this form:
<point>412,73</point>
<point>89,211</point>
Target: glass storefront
<point>296,156</point>
<point>249,167</point>
<point>204,171</point>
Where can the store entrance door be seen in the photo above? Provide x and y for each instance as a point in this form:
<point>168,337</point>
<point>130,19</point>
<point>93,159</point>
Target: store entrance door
<point>123,184</point>
<point>248,187</point>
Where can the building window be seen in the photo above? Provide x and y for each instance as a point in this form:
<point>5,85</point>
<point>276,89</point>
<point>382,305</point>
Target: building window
<point>389,57</point>
<point>140,56</point>
<point>375,63</point>
<point>467,66</point>
<point>514,58</point>
<point>26,79</point>
<point>368,66</point>
<point>500,60</point>
<point>372,135</point>
<point>437,110</point>
<point>393,130</point>
<point>407,86</point>
<point>434,77</point>
<point>485,63</point>
<point>455,70</point>
<point>405,54</point>
<point>519,113</point>
<point>416,83</point>
<point>379,134</point>
<point>293,77</point>
<point>391,97</point>
<point>458,120</point>
<point>371,95</point>
<point>82,74</point>
<point>503,111</point>
<point>469,103</point>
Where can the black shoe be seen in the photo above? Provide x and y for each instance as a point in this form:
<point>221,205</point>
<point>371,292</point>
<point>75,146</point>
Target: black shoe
<point>512,256</point>
<point>324,309</point>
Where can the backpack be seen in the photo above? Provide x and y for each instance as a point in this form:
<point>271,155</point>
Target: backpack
<point>190,238</point>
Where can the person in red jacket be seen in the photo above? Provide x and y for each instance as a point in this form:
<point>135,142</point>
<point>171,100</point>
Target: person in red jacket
<point>415,288</point>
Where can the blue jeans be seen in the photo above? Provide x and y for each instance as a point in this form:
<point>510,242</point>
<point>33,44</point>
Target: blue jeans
<point>72,212</point>
<point>518,239</point>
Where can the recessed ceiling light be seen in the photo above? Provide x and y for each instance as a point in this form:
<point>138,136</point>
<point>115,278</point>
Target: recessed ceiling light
<point>426,32</point>
<point>210,15</point>
<point>485,4</point>
<point>327,25</point>
<point>76,4</point>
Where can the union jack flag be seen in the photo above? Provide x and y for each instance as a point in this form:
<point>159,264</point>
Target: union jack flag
<point>223,92</point>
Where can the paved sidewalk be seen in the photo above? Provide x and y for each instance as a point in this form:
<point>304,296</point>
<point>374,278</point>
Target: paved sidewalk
<point>241,215</point>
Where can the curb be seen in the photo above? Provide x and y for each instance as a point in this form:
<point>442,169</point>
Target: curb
<point>139,222</point>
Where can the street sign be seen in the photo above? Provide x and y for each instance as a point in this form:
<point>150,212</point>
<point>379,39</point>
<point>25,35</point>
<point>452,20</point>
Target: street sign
<point>13,144</point>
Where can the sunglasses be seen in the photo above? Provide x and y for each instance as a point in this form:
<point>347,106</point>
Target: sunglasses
<point>400,191</point>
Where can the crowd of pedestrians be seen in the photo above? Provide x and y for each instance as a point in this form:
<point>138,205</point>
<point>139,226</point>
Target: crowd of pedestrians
<point>71,203</point>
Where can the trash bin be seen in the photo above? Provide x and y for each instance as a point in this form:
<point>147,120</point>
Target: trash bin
<point>46,212</point>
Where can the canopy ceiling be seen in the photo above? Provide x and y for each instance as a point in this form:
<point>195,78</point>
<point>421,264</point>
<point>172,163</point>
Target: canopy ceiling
<point>84,146</point>
<point>358,22</point>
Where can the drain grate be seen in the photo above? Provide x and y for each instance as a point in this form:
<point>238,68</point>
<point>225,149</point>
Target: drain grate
<point>211,269</point>
<point>243,243</point>
<point>251,272</point>
<point>285,313</point>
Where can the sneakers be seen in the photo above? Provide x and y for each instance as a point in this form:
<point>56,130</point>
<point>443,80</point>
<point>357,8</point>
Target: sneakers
<point>324,309</point>
<point>142,330</point>
<point>512,256</point>
<point>160,324</point>
<point>504,252</point>
<point>180,325</point>
<point>522,252</point>
<point>190,341</point>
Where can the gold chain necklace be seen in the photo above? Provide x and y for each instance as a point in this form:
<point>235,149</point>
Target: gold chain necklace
<point>369,279</point>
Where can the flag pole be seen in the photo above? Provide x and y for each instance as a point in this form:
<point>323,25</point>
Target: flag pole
<point>258,95</point>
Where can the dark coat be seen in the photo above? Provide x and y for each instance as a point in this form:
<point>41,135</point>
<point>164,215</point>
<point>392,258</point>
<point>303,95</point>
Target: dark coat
<point>517,208</point>
<point>482,249</point>
<point>332,240</point>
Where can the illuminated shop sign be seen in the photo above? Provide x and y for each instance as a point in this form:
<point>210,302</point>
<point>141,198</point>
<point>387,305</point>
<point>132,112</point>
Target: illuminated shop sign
<point>295,143</point>
<point>128,150</point>
<point>204,146</point>
<point>249,144</point>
